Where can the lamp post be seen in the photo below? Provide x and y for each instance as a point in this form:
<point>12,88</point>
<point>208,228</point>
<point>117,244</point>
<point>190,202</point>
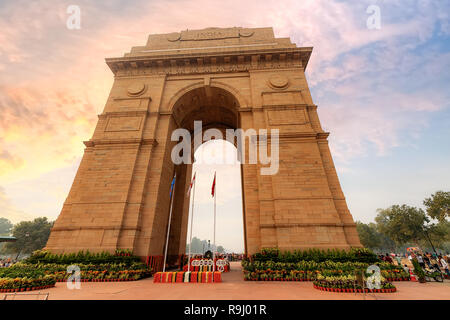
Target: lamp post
<point>428,237</point>
<point>24,243</point>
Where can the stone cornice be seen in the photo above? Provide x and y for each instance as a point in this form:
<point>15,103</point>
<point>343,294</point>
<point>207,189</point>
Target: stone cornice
<point>299,136</point>
<point>128,113</point>
<point>96,142</point>
<point>220,62</point>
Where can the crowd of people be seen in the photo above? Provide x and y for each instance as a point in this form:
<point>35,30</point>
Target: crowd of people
<point>4,263</point>
<point>228,256</point>
<point>234,256</point>
<point>425,260</point>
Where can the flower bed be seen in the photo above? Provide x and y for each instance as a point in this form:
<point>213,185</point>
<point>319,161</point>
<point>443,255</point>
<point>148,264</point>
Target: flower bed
<point>348,283</point>
<point>270,275</point>
<point>123,253</point>
<point>83,257</point>
<point>308,270</point>
<point>105,275</point>
<point>389,290</point>
<point>337,275</point>
<point>26,284</point>
<point>104,267</point>
<point>317,255</point>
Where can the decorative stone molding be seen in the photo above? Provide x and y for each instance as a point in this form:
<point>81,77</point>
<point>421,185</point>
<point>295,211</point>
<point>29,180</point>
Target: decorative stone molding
<point>218,63</point>
<point>93,143</point>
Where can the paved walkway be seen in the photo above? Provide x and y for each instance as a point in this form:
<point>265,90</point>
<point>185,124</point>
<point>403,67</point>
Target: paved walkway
<point>235,288</point>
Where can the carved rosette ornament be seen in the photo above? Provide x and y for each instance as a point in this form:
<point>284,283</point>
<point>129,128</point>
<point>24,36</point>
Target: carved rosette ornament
<point>136,89</point>
<point>245,33</point>
<point>278,82</point>
<point>172,37</point>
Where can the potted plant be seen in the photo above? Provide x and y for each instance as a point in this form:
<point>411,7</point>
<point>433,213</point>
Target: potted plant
<point>418,271</point>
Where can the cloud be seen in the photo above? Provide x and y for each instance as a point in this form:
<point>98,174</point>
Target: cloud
<point>9,211</point>
<point>41,130</point>
<point>54,80</point>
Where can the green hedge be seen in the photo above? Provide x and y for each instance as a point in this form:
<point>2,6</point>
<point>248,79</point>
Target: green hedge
<point>307,265</point>
<point>17,277</point>
<point>19,270</point>
<point>308,270</point>
<point>345,282</point>
<point>27,283</point>
<point>93,266</point>
<point>81,257</point>
<point>317,255</point>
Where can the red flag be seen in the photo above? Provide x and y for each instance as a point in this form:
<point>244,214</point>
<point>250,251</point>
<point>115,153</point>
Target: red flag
<point>190,187</point>
<point>213,185</point>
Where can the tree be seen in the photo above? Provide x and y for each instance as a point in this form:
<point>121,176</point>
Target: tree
<point>220,249</point>
<point>439,234</point>
<point>5,227</point>
<point>438,205</point>
<point>402,224</point>
<point>371,238</point>
<point>38,232</point>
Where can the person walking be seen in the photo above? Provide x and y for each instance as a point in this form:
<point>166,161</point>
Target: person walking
<point>420,260</point>
<point>444,265</point>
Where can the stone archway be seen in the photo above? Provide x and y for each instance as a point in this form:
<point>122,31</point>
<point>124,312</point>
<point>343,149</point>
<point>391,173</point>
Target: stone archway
<point>232,77</point>
<point>216,108</point>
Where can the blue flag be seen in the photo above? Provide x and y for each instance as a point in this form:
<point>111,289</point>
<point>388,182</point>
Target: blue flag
<point>172,185</point>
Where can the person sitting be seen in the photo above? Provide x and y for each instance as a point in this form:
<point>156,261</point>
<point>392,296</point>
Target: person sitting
<point>388,259</point>
<point>426,260</point>
<point>405,267</point>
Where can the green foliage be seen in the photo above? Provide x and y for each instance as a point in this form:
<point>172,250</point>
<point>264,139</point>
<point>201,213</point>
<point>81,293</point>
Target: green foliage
<point>80,257</point>
<point>304,265</point>
<point>25,282</point>
<point>38,232</point>
<point>438,205</point>
<point>20,271</point>
<point>5,227</point>
<point>439,234</point>
<point>402,224</point>
<point>317,255</point>
<point>92,266</point>
<point>371,238</point>
<point>17,277</point>
<point>418,270</point>
<point>312,270</point>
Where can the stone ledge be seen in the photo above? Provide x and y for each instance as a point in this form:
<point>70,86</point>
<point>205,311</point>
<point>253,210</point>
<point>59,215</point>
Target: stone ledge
<point>292,225</point>
<point>94,227</point>
<point>93,143</point>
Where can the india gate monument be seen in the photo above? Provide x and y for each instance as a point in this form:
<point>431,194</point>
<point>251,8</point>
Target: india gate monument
<point>230,78</point>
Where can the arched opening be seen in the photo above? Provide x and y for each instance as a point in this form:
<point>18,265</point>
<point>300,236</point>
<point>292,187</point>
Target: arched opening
<point>216,157</point>
<point>216,108</point>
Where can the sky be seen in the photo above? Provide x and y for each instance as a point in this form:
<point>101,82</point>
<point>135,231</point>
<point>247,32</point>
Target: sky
<point>383,94</point>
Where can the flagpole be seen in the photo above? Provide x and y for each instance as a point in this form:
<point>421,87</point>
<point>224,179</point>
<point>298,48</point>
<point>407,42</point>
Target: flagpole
<point>192,219</point>
<point>168,227</point>
<point>214,239</point>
